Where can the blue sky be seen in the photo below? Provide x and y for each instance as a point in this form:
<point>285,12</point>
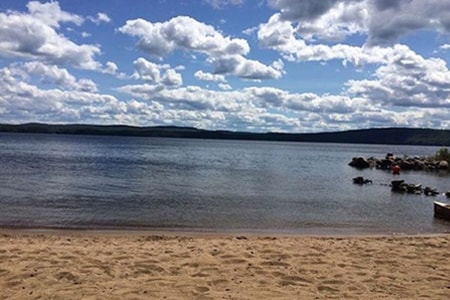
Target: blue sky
<point>274,65</point>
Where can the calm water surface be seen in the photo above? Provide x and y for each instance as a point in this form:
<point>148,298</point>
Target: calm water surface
<point>95,182</point>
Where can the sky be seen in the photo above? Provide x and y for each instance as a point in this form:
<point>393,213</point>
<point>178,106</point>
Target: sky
<point>262,66</point>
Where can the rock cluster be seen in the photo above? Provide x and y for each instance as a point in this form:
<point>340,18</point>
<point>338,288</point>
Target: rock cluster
<point>391,162</point>
<point>400,186</point>
<point>406,163</point>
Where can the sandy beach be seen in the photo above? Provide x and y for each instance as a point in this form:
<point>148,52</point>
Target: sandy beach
<point>146,265</point>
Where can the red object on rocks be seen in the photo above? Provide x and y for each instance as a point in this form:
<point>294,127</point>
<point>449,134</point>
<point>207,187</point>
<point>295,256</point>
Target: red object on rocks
<point>396,170</point>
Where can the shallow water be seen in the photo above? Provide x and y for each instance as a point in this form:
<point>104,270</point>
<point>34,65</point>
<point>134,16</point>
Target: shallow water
<point>98,182</point>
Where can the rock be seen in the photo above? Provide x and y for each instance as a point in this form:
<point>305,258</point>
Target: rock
<point>443,165</point>
<point>396,184</point>
<point>430,192</point>
<point>361,180</point>
<point>359,163</point>
<point>414,188</point>
<point>419,165</point>
<point>400,186</point>
<point>406,165</point>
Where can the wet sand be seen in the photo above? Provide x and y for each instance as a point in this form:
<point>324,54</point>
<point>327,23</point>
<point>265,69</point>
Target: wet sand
<point>146,265</point>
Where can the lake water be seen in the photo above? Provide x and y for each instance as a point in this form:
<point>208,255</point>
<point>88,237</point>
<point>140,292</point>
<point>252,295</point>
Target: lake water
<point>101,182</point>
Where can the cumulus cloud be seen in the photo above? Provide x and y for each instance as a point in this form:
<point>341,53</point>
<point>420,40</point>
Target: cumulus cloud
<point>405,88</point>
<point>156,74</point>
<point>342,20</point>
<point>384,22</point>
<point>302,10</point>
<point>182,33</point>
<point>389,22</point>
<point>53,75</point>
<point>172,78</point>
<point>225,86</point>
<point>408,81</point>
<point>280,35</point>
<point>200,75</point>
<point>244,68</point>
<point>100,18</point>
<point>64,98</point>
<point>33,36</point>
<point>51,14</point>
<point>23,101</point>
<point>225,53</point>
<point>220,4</point>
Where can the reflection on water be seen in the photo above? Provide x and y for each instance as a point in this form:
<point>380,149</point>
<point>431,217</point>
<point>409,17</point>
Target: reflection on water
<point>108,182</point>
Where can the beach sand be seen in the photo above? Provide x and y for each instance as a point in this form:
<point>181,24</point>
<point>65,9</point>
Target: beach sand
<point>146,265</point>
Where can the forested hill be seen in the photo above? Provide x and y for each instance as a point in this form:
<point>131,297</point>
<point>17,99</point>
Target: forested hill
<point>399,136</point>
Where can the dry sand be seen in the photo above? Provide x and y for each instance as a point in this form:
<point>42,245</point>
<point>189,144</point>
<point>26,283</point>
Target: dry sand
<point>90,265</point>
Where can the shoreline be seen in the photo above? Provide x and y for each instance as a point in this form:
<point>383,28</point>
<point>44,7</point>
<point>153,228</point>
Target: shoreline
<point>177,232</point>
<point>197,265</point>
<point>189,232</point>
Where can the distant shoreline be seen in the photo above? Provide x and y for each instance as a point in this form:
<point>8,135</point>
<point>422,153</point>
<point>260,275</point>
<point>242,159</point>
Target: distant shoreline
<point>388,136</point>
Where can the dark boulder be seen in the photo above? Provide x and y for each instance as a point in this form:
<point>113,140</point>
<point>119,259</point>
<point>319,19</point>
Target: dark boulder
<point>397,184</point>
<point>430,192</point>
<point>359,163</point>
<point>361,180</point>
<point>384,164</point>
<point>406,165</point>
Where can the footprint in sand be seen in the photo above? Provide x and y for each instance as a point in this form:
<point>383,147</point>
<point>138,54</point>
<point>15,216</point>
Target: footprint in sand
<point>324,288</point>
<point>294,280</point>
<point>202,289</point>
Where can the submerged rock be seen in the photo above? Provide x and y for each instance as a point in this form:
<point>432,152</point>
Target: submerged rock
<point>400,186</point>
<point>361,180</point>
<point>430,191</point>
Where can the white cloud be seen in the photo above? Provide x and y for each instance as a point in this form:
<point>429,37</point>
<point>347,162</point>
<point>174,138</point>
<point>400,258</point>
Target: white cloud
<point>50,74</point>
<point>384,22</point>
<point>200,75</point>
<point>302,10</point>
<point>280,35</point>
<point>100,18</point>
<point>23,101</point>
<point>225,53</point>
<point>68,99</point>
<point>342,20</point>
<point>111,68</point>
<point>172,78</point>
<point>408,81</point>
<point>182,32</point>
<point>33,36</point>
<point>389,23</point>
<point>405,89</point>
<point>220,4</point>
<point>151,73</point>
<point>51,14</point>
<point>224,86</point>
<point>146,70</point>
<point>244,68</point>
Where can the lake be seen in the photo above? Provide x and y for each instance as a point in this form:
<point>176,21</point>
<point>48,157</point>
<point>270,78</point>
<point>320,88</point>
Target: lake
<point>104,182</point>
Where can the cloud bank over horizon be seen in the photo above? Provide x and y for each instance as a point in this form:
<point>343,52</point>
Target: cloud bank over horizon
<point>277,65</point>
